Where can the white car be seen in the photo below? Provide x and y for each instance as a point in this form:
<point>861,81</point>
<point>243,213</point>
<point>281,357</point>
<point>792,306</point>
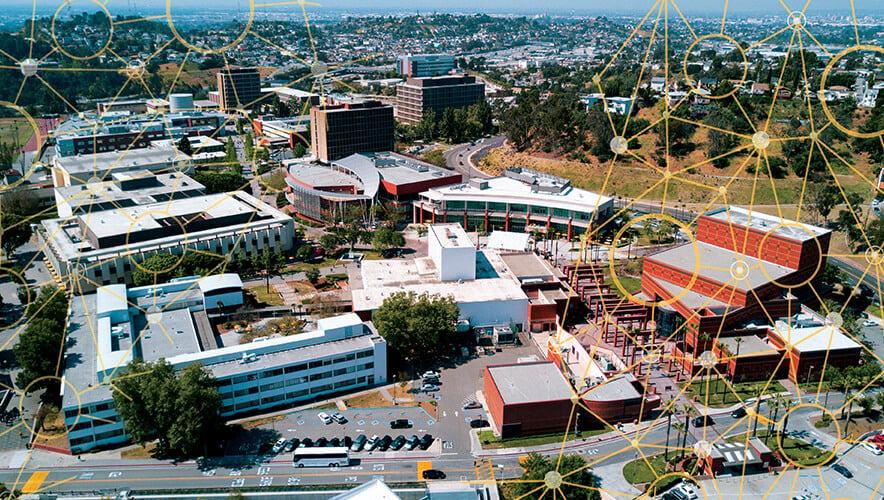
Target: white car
<point>429,388</point>
<point>431,374</point>
<point>873,449</point>
<point>278,446</point>
<point>869,322</point>
<point>324,417</point>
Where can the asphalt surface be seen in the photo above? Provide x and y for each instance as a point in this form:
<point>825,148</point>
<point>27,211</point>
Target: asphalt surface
<point>462,157</point>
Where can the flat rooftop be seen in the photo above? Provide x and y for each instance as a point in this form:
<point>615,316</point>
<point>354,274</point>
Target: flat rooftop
<point>451,235</point>
<point>317,176</point>
<point>398,169</point>
<point>509,190</point>
<point>100,164</point>
<point>715,265</point>
<point>786,228</point>
<point>376,280</point>
<point>748,346</point>
<point>617,388</point>
<point>164,185</point>
<point>814,339</point>
<point>528,265</point>
<point>530,382</point>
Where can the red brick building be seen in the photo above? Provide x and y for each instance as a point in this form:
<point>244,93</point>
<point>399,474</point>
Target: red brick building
<point>745,270</point>
<point>528,398</point>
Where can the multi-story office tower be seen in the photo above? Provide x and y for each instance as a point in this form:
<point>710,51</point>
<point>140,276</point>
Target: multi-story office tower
<point>420,65</point>
<point>417,95</point>
<point>238,87</point>
<point>342,130</point>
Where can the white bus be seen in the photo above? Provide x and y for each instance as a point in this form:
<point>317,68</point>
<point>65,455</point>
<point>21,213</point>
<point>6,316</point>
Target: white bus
<point>338,456</point>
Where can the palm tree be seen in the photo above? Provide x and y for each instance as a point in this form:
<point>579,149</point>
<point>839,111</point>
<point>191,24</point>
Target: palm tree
<point>679,427</point>
<point>757,407</point>
<point>668,410</point>
<point>738,340</point>
<point>689,411</point>
<point>773,407</point>
<point>787,403</point>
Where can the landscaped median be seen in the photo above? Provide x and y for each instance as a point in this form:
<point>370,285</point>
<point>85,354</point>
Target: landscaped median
<point>491,442</point>
<point>656,473</point>
<point>718,393</point>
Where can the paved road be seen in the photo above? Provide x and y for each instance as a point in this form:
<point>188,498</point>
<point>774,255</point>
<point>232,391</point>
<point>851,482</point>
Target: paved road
<point>463,156</point>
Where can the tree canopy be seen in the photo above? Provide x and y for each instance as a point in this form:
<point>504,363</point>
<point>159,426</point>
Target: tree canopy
<point>223,182</point>
<point>578,481</point>
<point>385,238</point>
<point>16,231</point>
<point>417,325</point>
<point>179,410</point>
<point>40,345</point>
<point>165,266</point>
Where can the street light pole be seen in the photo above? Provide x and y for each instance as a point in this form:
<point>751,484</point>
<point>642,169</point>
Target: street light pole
<point>808,374</point>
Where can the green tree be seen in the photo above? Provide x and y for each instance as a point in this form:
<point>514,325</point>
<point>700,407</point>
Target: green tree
<point>179,410</point>
<point>299,150</point>
<point>22,202</point>
<point>385,238</point>
<point>866,403</point>
<point>201,263</point>
<point>223,182</point>
<point>579,480</point>
<point>312,275</point>
<point>184,146</point>
<point>158,268</point>
<point>329,243</point>
<point>305,252</point>
<point>230,157</point>
<point>822,198</point>
<point>16,231</point>
<point>416,325</point>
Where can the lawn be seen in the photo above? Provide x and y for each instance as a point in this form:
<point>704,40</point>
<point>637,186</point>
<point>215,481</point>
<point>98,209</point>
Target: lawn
<point>15,131</point>
<point>271,298</point>
<point>139,452</point>
<point>491,442</point>
<point>639,472</point>
<point>376,399</point>
<point>723,394</point>
<point>797,450</point>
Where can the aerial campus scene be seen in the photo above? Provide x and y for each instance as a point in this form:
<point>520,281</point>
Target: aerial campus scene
<point>441,250</point>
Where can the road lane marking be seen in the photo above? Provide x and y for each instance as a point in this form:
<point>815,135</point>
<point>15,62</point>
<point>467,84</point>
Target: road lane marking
<point>34,482</point>
<point>421,467</point>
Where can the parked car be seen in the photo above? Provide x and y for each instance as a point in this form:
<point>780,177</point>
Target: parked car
<point>702,421</point>
<point>334,442</point>
<point>398,443</point>
<point>425,441</point>
<point>337,417</point>
<point>400,423</point>
<point>872,447</point>
<point>384,443</point>
<point>321,442</point>
<point>869,322</point>
<point>372,443</point>
<point>306,443</point>
<point>291,445</point>
<point>433,474</point>
<point>431,373</point>
<point>489,351</point>
<point>411,443</point>
<point>278,446</point>
<point>844,471</point>
<point>470,405</point>
<point>431,380</point>
<point>429,388</point>
<point>478,423</point>
<point>358,443</point>
<point>739,412</point>
<point>323,416</point>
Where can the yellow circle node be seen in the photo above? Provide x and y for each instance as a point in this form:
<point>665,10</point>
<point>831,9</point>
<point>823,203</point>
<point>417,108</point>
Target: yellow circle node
<point>619,145</point>
<point>552,480</point>
<point>761,139</point>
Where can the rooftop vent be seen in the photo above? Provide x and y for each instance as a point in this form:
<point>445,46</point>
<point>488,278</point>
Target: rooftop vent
<point>248,358</point>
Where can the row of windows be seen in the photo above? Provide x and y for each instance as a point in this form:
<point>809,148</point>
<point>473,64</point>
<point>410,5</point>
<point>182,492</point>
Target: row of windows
<point>494,206</point>
<point>294,395</point>
<point>239,379</point>
<point>96,437</point>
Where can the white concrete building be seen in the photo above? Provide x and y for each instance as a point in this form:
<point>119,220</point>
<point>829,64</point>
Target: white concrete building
<point>116,324</point>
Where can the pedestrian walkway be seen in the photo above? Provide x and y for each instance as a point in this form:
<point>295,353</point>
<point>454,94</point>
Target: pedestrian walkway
<point>484,470</point>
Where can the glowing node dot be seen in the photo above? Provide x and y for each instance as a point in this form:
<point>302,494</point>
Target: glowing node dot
<point>619,145</point>
<point>875,256</point>
<point>608,318</point>
<point>154,315</point>
<point>834,319</point>
<point>94,186</point>
<point>596,79</point>
<point>722,190</point>
<point>29,67</point>
<point>666,114</point>
<point>739,270</point>
<point>703,449</point>
<point>552,480</point>
<point>634,443</point>
<point>319,68</point>
<point>813,135</point>
<point>708,360</point>
<point>667,174</point>
<point>575,398</point>
<point>652,326</point>
<point>796,19</point>
<point>761,139</point>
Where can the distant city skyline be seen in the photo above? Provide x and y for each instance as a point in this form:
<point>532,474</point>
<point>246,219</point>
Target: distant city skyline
<point>528,7</point>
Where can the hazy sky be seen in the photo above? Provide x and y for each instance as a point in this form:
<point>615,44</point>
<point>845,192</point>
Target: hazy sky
<point>521,6</point>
